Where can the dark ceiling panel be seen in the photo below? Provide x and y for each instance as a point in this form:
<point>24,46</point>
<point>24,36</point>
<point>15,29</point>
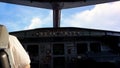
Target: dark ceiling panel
<point>57,0</point>
<point>64,4</point>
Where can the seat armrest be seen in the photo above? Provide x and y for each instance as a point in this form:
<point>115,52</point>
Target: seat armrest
<point>4,62</point>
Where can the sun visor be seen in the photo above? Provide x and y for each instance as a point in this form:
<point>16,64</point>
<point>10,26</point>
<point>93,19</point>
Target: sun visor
<point>4,37</point>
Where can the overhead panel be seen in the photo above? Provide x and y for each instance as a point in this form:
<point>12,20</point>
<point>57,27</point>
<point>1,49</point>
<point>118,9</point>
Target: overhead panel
<point>64,3</point>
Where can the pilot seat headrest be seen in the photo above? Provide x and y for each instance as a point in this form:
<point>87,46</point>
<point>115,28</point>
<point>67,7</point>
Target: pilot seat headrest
<point>4,37</point>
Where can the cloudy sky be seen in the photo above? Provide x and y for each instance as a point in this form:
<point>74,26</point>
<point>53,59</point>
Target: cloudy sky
<point>101,16</point>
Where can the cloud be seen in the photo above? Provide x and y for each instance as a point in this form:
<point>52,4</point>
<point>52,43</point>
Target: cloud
<point>39,22</point>
<point>102,16</point>
<point>35,22</point>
